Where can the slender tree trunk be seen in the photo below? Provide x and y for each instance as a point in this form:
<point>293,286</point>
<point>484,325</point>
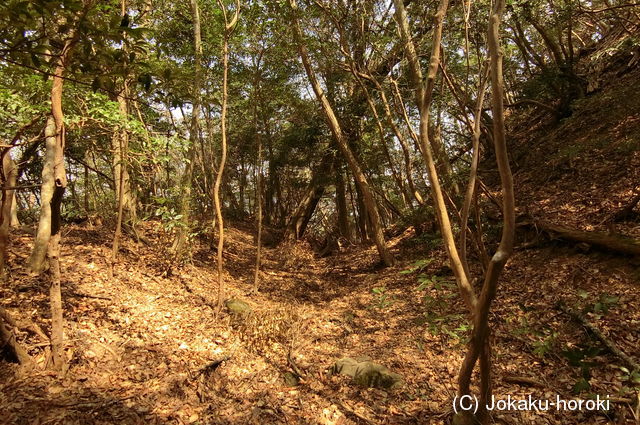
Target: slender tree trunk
<point>259,180</point>
<point>363,223</point>
<point>15,222</point>
<point>121,179</point>
<point>479,345</point>
<point>423,100</point>
<point>352,162</point>
<point>229,26</point>
<point>122,137</point>
<point>408,163</point>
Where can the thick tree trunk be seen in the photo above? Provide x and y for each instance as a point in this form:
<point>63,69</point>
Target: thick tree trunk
<point>54,182</point>
<point>36,260</point>
<point>620,244</point>
<point>7,179</point>
<point>344,227</point>
<point>187,180</point>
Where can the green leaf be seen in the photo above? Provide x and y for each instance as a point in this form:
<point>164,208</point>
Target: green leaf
<point>581,385</point>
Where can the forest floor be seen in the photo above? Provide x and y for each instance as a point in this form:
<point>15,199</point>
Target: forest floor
<point>146,347</point>
<point>141,345</point>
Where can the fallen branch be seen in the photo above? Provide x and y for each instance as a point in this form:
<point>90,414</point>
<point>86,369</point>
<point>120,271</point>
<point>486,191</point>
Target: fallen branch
<point>596,332</point>
<point>620,244</point>
<point>95,297</point>
<point>523,380</point>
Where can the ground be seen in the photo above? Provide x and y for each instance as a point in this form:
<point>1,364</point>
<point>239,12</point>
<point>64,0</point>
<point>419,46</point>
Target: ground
<point>141,345</point>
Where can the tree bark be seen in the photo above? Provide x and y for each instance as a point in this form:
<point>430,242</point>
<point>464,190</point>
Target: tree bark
<point>352,162</point>
<point>297,223</point>
<point>423,101</point>
<point>187,179</point>
<point>36,261</point>
<point>479,344</point>
<point>7,179</point>
<point>122,139</point>
<point>229,26</point>
<point>344,227</point>
<point>8,339</point>
<point>614,243</point>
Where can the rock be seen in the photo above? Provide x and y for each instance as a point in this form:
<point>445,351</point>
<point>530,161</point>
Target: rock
<point>291,379</point>
<point>238,307</point>
<point>367,374</point>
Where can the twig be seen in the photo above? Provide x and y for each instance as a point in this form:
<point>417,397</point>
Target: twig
<point>523,380</point>
<point>97,297</point>
<point>596,332</point>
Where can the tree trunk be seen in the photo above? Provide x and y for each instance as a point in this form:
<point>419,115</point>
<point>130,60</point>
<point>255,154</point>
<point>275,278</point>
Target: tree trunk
<point>121,179</point>
<point>480,345</point>
<point>229,26</point>
<point>344,227</point>
<point>187,180</point>
<point>8,179</point>
<point>36,261</point>
<point>621,244</point>
<point>15,222</point>
<point>423,101</point>
<point>8,339</point>
<point>259,179</point>
<point>122,137</point>
<point>352,162</point>
<point>297,223</point>
<point>54,182</point>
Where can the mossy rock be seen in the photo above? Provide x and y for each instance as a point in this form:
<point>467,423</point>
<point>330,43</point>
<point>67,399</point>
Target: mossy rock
<point>367,374</point>
<point>237,307</point>
<point>291,379</point>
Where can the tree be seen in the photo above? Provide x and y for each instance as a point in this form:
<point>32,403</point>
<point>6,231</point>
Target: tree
<point>229,26</point>
<point>355,168</point>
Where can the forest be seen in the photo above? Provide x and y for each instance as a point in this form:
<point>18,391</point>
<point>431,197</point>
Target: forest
<point>331,212</point>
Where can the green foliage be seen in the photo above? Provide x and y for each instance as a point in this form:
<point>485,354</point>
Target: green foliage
<point>601,305</point>
<point>438,317</point>
<point>633,376</point>
<point>382,299</point>
<point>581,357</point>
<point>168,213</point>
<point>418,266</point>
<point>545,339</point>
